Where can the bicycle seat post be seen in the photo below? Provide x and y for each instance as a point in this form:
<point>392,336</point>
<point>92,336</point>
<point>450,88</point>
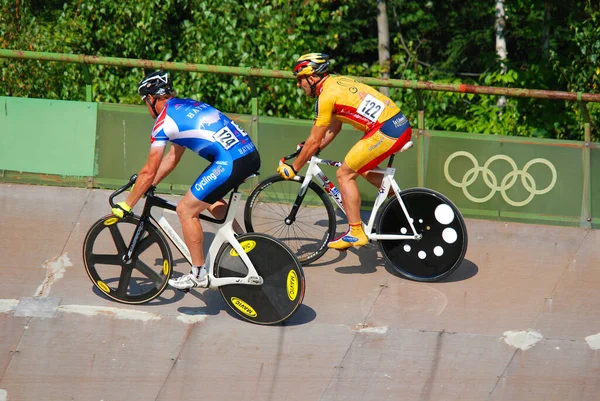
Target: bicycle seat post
<point>391,160</point>
<point>406,146</point>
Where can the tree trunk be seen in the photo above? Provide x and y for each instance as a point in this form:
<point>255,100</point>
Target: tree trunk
<point>384,43</point>
<point>546,32</point>
<point>501,44</point>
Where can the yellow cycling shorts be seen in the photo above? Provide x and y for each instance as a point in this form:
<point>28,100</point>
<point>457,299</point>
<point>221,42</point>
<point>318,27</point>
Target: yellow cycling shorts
<point>372,149</point>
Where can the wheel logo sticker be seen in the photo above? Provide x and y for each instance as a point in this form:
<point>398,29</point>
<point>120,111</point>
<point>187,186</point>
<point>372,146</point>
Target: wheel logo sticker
<point>508,181</point>
<point>292,285</point>
<point>246,245</point>
<point>102,285</point>
<point>111,221</point>
<point>243,307</point>
<point>166,267</point>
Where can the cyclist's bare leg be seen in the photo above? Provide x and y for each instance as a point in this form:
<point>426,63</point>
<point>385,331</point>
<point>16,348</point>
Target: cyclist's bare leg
<point>376,179</point>
<point>373,177</point>
<point>349,190</point>
<point>188,210</point>
<point>355,235</point>
<point>218,210</point>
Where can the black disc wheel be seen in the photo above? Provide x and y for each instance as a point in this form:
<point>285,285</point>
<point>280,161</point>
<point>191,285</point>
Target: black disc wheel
<point>269,207</point>
<point>282,290</point>
<point>444,235</point>
<point>143,277</point>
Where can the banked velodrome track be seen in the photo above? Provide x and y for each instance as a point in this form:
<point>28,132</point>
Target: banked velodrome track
<point>519,320</point>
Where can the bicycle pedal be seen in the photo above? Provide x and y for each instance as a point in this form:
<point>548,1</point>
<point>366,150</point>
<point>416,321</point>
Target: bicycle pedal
<point>184,290</point>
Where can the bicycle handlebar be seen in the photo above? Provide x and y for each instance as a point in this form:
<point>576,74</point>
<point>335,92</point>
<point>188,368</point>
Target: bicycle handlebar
<point>121,190</point>
<point>132,179</point>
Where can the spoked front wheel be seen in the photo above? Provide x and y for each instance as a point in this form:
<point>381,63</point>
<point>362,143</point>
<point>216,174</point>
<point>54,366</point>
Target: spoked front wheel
<point>282,290</point>
<point>269,207</point>
<point>143,277</point>
<point>444,235</point>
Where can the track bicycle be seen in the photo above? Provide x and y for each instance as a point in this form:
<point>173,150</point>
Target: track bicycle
<point>259,277</point>
<point>421,233</point>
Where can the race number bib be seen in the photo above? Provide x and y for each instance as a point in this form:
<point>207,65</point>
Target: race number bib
<point>225,137</point>
<point>370,108</point>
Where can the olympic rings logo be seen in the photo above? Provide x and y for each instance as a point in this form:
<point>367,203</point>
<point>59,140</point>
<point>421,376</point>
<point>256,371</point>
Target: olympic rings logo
<point>491,181</point>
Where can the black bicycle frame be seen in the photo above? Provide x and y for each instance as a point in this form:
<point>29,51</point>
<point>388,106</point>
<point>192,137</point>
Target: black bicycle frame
<point>154,201</point>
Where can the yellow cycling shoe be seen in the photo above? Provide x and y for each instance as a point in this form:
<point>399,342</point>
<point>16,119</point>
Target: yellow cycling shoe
<point>355,236</point>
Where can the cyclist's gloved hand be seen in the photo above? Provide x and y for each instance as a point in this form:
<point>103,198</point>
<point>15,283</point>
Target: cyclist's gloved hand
<point>121,210</point>
<point>286,171</point>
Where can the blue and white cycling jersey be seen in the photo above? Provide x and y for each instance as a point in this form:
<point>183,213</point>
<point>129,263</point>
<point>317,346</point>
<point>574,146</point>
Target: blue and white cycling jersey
<point>202,129</point>
<point>212,135</point>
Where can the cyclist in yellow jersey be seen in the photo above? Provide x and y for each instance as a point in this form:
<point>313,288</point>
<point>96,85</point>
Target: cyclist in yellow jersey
<point>344,100</point>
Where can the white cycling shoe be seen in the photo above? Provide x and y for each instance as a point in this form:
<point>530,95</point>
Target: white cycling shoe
<point>189,281</point>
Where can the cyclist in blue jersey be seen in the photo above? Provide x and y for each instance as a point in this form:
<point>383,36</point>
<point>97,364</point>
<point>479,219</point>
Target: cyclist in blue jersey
<point>197,126</point>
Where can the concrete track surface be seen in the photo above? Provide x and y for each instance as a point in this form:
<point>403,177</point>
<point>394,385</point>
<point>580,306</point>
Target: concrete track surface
<point>519,320</point>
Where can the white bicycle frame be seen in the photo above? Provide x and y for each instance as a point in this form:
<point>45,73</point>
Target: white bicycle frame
<point>314,171</point>
<point>224,234</point>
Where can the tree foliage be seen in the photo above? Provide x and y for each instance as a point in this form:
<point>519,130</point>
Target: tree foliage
<point>552,45</point>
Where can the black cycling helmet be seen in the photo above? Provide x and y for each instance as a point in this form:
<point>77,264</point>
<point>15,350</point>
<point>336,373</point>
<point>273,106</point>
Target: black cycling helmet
<point>156,84</point>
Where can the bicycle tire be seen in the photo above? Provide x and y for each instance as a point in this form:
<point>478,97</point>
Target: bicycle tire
<point>270,204</point>
<point>282,290</point>
<point>142,279</point>
<point>444,243</point>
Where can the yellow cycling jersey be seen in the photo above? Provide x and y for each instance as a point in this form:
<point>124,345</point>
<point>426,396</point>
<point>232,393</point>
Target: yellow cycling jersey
<point>352,102</point>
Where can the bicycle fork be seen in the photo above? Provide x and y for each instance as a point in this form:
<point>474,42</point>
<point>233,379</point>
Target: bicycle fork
<point>134,241</point>
<point>291,217</point>
<point>161,221</point>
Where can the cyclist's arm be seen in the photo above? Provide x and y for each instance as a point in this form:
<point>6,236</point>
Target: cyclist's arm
<point>168,162</point>
<point>334,128</point>
<point>146,175</point>
<point>324,122</point>
<point>311,145</point>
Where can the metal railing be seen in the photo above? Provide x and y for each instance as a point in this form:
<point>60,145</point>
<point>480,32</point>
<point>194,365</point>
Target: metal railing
<point>580,97</point>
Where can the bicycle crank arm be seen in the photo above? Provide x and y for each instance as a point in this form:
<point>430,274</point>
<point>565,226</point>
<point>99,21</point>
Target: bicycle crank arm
<point>378,237</point>
<point>221,281</point>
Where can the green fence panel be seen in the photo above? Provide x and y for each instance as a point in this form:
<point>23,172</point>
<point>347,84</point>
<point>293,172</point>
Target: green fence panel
<point>595,184</point>
<point>47,136</point>
<point>507,177</point>
<point>122,143</point>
